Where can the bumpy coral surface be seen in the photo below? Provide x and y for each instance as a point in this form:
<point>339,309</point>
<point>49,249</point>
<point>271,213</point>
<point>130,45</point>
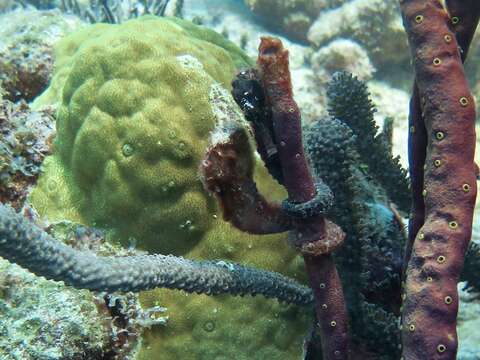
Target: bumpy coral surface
<point>138,103</point>
<point>133,125</point>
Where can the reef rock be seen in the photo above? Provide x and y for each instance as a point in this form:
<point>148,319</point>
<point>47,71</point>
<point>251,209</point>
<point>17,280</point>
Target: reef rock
<point>292,17</point>
<point>26,42</point>
<point>374,24</point>
<point>25,140</point>
<point>341,55</point>
<point>45,320</point>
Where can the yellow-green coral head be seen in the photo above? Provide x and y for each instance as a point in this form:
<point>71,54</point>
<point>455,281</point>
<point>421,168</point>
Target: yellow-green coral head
<point>133,124</point>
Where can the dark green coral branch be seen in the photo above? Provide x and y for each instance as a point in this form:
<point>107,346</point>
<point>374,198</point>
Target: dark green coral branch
<point>471,270</point>
<point>374,238</point>
<point>349,101</point>
<point>25,244</point>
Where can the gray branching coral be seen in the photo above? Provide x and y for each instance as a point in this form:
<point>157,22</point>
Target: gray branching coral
<point>32,248</point>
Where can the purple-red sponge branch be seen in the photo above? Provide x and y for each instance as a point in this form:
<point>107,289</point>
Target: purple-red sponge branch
<point>464,17</point>
<point>314,233</point>
<point>417,147</point>
<point>430,299</point>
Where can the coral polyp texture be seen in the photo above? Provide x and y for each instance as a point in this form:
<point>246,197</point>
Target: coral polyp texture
<point>137,106</point>
<point>135,114</point>
<point>350,102</point>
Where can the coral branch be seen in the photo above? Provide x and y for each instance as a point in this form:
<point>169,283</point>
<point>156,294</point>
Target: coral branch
<point>30,247</point>
<point>324,279</point>
<point>431,301</point>
<point>349,101</point>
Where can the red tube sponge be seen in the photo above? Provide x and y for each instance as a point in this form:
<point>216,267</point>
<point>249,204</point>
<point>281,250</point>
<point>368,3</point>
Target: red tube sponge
<point>431,299</point>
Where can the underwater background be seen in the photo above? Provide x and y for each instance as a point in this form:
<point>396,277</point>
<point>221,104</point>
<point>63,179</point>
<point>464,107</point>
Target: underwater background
<point>107,108</point>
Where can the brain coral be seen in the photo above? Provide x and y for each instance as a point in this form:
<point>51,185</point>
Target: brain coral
<point>136,106</point>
